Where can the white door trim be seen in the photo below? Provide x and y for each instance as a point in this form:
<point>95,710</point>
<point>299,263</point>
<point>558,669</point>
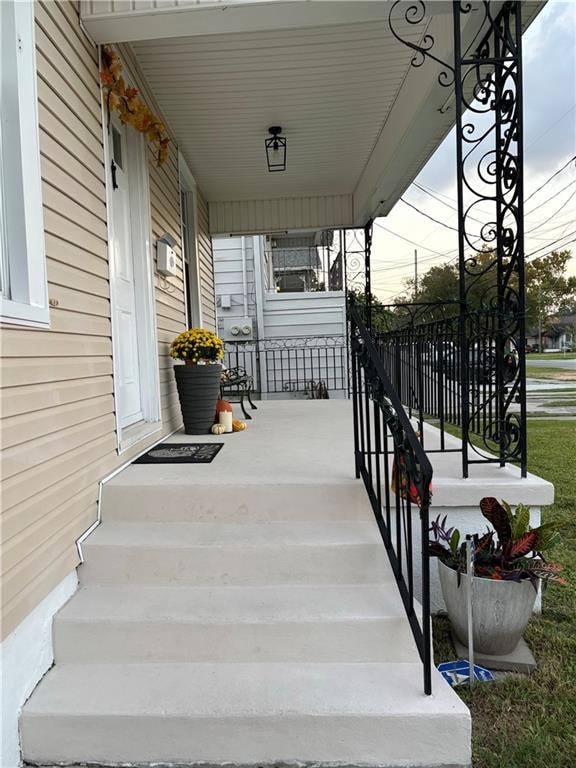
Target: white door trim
<point>148,354</point>
<point>187,184</point>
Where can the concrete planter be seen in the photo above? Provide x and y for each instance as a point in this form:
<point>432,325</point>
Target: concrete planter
<point>500,610</point>
<point>198,388</point>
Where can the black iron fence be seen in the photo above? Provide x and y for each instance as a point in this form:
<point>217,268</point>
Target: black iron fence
<point>459,371</point>
<point>313,367</point>
<point>397,474</point>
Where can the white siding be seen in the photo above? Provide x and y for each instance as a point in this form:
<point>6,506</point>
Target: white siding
<point>304,314</point>
<point>229,278</point>
<point>261,216</point>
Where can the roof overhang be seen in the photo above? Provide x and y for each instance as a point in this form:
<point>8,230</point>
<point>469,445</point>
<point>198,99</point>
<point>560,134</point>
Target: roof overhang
<point>360,120</point>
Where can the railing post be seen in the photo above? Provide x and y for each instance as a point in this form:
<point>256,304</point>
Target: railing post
<point>368,272</point>
<point>355,393</point>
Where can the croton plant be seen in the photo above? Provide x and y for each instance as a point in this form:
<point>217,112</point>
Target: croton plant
<point>513,551</point>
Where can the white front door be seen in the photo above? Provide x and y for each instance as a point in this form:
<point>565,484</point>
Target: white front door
<point>135,368</point>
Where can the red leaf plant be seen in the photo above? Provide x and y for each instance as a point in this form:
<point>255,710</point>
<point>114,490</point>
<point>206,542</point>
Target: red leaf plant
<point>515,555</point>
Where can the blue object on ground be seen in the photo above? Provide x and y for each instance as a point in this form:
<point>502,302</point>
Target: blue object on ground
<point>458,672</point>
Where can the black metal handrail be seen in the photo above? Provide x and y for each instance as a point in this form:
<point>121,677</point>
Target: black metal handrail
<point>397,475</point>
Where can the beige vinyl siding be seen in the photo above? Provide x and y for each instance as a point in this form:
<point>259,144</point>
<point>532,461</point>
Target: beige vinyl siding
<point>58,435</point>
<point>56,402</point>
<point>205,265</point>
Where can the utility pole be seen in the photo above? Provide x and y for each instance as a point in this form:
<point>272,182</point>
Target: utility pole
<point>540,318</point>
<point>415,273</point>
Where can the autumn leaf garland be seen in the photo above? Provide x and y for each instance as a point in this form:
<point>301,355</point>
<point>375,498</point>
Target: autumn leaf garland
<point>129,106</point>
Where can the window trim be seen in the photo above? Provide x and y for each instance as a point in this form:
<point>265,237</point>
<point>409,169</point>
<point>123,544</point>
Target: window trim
<point>24,221</point>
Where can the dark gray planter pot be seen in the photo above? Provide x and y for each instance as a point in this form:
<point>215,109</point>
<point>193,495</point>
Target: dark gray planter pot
<point>198,389</point>
<point>500,610</point>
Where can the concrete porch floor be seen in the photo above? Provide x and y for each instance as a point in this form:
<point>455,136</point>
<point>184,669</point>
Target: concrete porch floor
<point>310,442</point>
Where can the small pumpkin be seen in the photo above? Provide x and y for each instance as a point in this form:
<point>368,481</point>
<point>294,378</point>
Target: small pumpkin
<point>238,426</point>
<point>218,429</point>
<point>223,405</point>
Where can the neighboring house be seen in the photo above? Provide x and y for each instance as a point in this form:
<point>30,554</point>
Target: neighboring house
<point>106,255</point>
<point>292,342</point>
<point>559,332</point>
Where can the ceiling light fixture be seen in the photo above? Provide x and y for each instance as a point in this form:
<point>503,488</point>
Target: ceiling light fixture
<point>276,150</point>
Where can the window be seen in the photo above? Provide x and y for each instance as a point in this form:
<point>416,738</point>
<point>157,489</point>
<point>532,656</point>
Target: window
<point>23,288</point>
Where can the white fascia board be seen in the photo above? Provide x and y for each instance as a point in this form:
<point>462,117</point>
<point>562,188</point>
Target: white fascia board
<point>187,21</point>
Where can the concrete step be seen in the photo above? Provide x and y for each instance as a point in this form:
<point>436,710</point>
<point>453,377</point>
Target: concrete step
<point>224,554</point>
<point>207,624</point>
<point>127,501</point>
<point>244,714</point>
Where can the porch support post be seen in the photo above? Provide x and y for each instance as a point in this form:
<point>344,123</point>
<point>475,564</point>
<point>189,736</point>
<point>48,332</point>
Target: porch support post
<point>490,177</point>
<point>368,271</point>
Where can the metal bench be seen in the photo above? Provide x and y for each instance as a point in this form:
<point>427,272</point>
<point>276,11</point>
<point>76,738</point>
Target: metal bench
<point>235,382</point>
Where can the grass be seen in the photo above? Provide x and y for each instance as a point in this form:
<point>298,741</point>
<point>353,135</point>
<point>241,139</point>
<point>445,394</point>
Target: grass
<point>551,356</point>
<point>559,403</point>
<point>559,374</point>
<point>530,722</point>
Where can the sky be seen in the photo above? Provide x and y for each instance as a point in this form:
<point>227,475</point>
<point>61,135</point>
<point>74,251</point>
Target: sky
<point>549,49</point>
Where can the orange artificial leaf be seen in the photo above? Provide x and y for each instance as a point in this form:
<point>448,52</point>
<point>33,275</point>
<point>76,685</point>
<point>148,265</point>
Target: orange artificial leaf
<point>125,101</point>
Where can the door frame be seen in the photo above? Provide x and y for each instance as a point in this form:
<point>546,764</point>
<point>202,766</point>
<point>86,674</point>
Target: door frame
<point>193,292</point>
<point>144,285</point>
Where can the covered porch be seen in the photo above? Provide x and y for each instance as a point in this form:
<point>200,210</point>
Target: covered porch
<point>274,606</point>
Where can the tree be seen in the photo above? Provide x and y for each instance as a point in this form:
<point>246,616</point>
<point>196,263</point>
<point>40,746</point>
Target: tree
<point>548,289</point>
<point>382,317</point>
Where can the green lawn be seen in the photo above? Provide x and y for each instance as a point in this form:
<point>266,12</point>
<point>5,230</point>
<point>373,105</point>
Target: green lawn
<point>559,403</point>
<point>551,356</point>
<point>560,374</point>
<point>530,722</point>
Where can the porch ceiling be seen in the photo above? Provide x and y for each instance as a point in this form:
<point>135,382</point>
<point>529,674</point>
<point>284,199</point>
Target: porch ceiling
<point>360,121</point>
<point>330,88</point>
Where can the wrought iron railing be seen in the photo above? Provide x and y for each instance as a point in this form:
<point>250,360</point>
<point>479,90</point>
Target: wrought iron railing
<point>308,366</point>
<point>453,375</point>
<point>397,474</point>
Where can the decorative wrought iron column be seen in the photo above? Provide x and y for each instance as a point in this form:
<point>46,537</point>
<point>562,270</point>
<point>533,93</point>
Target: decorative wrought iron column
<point>356,245</point>
<point>489,175</point>
<point>486,77</point>
<point>368,271</point>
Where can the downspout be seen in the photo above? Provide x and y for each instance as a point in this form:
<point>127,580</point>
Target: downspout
<point>244,280</point>
<point>259,286</point>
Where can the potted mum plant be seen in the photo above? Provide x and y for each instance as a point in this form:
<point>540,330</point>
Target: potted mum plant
<point>509,567</point>
<point>198,381</point>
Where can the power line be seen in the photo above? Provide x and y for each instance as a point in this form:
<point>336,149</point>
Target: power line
<point>531,195</point>
<point>559,192</point>
<point>554,124</point>
<point>423,213</point>
<point>454,229</point>
<point>527,256</point>
<point>418,245</point>
<point>434,193</point>
<point>548,245</point>
<point>564,204</point>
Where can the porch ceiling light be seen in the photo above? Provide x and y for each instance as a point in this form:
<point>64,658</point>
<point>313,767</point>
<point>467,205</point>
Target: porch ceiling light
<point>276,150</point>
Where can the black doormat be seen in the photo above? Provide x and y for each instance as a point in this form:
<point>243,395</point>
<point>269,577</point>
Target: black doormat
<point>180,453</point>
